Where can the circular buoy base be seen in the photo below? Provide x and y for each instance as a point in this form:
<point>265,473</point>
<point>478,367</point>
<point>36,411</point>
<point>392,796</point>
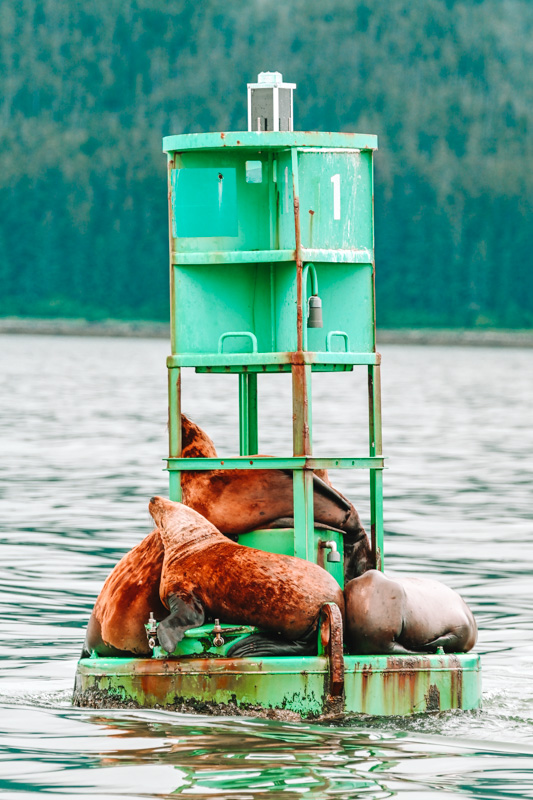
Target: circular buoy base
<point>286,688</point>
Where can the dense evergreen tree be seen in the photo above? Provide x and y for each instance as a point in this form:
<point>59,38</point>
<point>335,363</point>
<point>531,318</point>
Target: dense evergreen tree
<point>87,91</point>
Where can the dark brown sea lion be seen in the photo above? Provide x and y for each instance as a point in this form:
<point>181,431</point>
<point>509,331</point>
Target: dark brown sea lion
<point>207,575</point>
<point>406,615</point>
<point>116,626</point>
<point>238,501</point>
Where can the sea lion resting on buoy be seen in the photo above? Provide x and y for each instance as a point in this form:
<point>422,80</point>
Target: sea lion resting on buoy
<point>205,575</point>
<point>131,591</point>
<point>237,501</point>
<point>400,615</point>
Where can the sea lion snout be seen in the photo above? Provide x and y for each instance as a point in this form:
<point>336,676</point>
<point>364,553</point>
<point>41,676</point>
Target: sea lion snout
<point>159,507</point>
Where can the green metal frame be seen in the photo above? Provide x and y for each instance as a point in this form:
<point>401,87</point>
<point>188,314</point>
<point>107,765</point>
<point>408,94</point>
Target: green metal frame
<point>283,153</point>
<point>238,306</point>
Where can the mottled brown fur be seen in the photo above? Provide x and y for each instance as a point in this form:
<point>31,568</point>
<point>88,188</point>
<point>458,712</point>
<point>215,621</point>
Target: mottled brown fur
<point>131,591</point>
<point>280,594</point>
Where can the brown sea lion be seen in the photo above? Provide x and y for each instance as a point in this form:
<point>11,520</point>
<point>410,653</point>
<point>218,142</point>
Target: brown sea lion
<point>116,626</point>
<point>207,575</point>
<point>400,615</point>
<point>239,501</point>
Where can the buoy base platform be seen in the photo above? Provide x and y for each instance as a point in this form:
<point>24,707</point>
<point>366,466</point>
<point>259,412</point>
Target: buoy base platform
<point>285,688</point>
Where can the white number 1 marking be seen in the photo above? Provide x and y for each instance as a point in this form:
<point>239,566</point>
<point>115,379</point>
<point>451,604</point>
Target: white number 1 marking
<point>336,181</point>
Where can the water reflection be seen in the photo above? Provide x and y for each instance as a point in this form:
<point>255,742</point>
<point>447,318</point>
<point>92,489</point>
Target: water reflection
<point>160,754</point>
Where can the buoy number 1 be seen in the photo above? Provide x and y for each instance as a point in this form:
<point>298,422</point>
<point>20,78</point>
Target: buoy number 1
<point>336,181</point>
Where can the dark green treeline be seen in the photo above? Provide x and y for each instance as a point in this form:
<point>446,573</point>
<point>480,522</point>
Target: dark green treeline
<point>87,90</point>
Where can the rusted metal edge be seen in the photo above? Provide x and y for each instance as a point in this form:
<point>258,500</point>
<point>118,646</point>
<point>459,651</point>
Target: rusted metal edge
<point>293,358</point>
<point>331,638</point>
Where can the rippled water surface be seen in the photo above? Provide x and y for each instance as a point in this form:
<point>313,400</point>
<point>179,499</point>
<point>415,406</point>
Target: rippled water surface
<point>83,432</point>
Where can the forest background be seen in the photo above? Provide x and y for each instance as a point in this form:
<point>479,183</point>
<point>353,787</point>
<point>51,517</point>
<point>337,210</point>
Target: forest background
<point>87,90</point>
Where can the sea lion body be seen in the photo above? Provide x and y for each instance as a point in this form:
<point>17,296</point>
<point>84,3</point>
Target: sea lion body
<point>238,501</point>
<point>116,626</point>
<point>406,615</point>
<point>207,575</point>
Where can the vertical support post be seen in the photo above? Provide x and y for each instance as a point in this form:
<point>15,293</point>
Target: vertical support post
<point>274,239</point>
<point>171,165</point>
<point>298,250</point>
<point>253,427</point>
<point>174,373</point>
<point>304,521</point>
<point>248,425</point>
<point>243,414</point>
<point>174,429</point>
<point>376,475</point>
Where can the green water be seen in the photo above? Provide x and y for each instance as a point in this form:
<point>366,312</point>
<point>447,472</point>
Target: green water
<point>83,431</point>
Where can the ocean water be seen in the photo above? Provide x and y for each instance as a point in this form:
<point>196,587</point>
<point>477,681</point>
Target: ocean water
<point>83,432</point>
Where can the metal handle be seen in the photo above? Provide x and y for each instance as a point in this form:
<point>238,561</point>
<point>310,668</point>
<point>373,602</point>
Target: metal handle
<point>236,335</point>
<point>330,336</point>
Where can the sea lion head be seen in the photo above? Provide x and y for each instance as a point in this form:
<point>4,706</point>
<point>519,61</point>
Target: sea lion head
<point>160,508</point>
<point>179,521</point>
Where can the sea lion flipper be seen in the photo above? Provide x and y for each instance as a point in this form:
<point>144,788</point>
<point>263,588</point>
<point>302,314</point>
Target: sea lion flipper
<point>326,490</point>
<point>185,612</point>
<point>288,522</point>
<point>259,645</point>
<point>321,487</point>
<point>452,642</point>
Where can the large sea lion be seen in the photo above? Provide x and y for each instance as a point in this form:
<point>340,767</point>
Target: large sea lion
<point>206,575</point>
<point>402,615</point>
<point>239,501</point>
<point>116,626</point>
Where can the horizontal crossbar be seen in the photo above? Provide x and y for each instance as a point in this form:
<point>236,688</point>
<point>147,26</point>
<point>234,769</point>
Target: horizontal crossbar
<point>205,258</point>
<point>260,359</point>
<point>271,368</point>
<point>268,462</point>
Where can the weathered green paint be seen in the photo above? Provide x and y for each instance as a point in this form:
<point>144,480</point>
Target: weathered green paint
<point>244,140</point>
<point>277,360</point>
<point>376,685</point>
<point>201,641</point>
<point>340,256</point>
<point>273,462</point>
<point>236,369</point>
<point>304,209</point>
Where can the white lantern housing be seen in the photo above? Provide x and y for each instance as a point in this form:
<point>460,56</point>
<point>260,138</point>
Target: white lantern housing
<point>270,103</point>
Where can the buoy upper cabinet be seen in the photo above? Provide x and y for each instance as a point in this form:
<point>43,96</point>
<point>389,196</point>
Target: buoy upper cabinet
<point>259,222</point>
